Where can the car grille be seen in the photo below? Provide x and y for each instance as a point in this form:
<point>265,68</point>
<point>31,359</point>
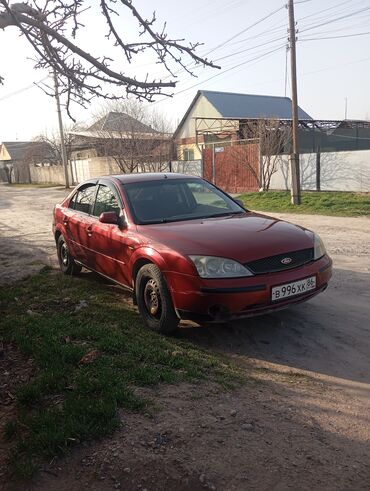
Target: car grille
<point>273,263</point>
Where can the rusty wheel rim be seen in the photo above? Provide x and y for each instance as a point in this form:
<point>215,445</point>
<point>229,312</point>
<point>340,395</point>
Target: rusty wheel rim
<point>152,299</point>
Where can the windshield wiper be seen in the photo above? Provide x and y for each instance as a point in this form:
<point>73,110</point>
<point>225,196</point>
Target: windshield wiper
<point>182,218</point>
<point>224,214</point>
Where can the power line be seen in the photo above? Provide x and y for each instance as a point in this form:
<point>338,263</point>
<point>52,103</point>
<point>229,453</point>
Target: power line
<point>335,20</point>
<point>231,68</point>
<point>249,49</point>
<point>257,58</point>
<point>336,37</point>
<point>19,91</point>
<point>345,2</point>
<point>356,25</point>
<point>245,30</point>
<point>192,65</point>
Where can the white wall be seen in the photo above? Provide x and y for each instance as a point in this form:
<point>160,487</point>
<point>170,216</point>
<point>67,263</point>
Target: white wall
<point>53,174</point>
<point>340,171</point>
<point>202,109</point>
<point>190,167</point>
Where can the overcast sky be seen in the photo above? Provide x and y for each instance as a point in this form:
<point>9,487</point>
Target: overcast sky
<point>333,59</point>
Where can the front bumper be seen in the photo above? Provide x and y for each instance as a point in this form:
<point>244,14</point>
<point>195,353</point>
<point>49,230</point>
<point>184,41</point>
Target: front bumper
<point>219,300</point>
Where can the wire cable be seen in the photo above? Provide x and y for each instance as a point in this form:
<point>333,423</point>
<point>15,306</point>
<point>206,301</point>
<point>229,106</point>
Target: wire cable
<point>245,30</point>
<point>336,37</point>
<point>334,20</point>
<point>222,73</point>
<point>19,91</point>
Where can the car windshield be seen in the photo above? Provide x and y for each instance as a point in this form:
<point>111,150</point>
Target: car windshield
<point>171,200</point>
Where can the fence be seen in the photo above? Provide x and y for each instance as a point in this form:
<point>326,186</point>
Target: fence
<point>234,168</point>
<point>339,171</point>
<point>48,174</point>
<point>81,170</point>
<point>230,169</point>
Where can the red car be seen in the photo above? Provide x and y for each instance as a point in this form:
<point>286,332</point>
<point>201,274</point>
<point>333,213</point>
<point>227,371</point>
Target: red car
<point>186,249</point>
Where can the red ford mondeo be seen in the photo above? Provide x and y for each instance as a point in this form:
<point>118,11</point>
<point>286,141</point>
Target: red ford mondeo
<point>186,249</point>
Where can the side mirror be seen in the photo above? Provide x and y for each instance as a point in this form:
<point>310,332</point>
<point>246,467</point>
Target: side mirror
<point>240,202</point>
<point>109,217</point>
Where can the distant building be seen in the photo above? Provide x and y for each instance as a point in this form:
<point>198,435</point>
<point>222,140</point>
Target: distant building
<point>15,158</point>
<point>224,114</point>
<point>114,131</point>
<point>118,143</point>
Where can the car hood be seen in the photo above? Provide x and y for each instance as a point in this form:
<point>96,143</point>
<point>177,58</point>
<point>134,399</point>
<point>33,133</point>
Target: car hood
<point>245,237</point>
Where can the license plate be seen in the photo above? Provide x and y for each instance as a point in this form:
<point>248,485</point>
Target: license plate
<point>299,287</point>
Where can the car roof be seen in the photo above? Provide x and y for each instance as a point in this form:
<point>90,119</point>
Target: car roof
<point>147,176</point>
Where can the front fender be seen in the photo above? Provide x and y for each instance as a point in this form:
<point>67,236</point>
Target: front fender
<point>146,254</point>
<point>168,261</point>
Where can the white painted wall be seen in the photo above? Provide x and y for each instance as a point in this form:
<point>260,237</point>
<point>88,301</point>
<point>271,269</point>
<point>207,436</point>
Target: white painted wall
<point>202,109</point>
<point>190,167</point>
<point>340,171</point>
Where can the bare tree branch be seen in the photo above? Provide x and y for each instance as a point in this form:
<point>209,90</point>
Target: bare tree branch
<point>136,138</point>
<point>274,140</point>
<point>51,30</point>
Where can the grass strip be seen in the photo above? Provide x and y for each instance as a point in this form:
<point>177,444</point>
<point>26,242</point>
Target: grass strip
<point>315,203</point>
<point>90,353</point>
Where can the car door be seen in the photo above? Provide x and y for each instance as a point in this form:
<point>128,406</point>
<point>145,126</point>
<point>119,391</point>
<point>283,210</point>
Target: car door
<point>76,220</point>
<point>110,244</point>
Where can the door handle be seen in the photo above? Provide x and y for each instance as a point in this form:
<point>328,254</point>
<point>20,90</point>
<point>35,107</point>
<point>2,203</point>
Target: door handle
<point>89,230</point>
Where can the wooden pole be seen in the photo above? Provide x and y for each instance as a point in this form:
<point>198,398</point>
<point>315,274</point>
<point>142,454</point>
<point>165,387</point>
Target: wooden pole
<point>294,157</point>
<point>61,132</point>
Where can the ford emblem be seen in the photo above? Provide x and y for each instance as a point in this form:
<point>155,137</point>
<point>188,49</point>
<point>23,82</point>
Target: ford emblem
<point>286,260</point>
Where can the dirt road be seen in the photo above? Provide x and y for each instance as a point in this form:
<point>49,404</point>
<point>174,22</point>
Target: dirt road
<point>26,239</point>
<point>306,426</point>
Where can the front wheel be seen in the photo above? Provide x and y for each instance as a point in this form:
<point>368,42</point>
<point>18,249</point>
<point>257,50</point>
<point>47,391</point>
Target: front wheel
<point>66,262</point>
<point>154,300</point>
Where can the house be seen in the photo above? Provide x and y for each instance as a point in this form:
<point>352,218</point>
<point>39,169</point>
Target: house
<point>15,158</point>
<point>222,116</point>
<point>118,143</point>
<point>114,132</point>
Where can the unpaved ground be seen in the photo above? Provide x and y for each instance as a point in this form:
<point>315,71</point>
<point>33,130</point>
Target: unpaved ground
<point>26,240</point>
<point>302,423</point>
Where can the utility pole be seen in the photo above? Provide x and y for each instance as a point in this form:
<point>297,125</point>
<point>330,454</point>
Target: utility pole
<point>345,107</point>
<point>295,190</point>
<point>61,131</point>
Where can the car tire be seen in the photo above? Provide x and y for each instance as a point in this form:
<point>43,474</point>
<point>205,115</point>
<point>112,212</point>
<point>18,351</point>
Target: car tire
<point>154,300</point>
<point>67,264</point>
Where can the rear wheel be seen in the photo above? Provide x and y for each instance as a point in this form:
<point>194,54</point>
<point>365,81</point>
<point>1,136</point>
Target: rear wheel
<point>154,300</point>
<point>66,262</point>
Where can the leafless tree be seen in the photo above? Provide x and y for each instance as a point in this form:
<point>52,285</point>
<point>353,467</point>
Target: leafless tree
<point>51,27</point>
<point>274,139</point>
<point>53,139</point>
<point>137,138</point>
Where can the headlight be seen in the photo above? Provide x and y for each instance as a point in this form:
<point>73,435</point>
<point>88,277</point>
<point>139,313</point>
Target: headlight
<point>219,267</point>
<point>319,248</point>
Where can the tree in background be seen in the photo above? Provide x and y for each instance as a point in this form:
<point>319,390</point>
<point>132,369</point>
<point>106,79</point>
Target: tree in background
<point>274,140</point>
<point>50,27</point>
<point>52,138</point>
<point>137,138</point>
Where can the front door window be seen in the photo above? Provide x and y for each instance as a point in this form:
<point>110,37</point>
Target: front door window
<point>105,201</point>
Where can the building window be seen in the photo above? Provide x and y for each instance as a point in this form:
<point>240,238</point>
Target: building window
<point>188,154</point>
